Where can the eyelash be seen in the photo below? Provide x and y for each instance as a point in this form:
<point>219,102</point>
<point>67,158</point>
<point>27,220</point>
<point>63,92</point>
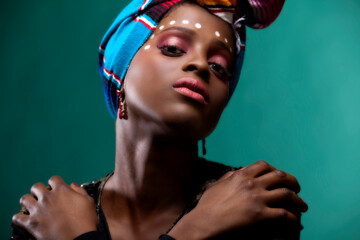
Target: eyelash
<point>166,50</point>
<point>175,51</point>
<point>221,73</point>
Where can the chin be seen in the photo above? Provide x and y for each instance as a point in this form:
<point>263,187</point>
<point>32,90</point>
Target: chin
<point>189,121</point>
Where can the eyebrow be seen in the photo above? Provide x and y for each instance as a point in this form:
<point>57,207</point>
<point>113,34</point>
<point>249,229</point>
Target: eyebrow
<point>185,30</point>
<point>192,33</point>
<point>223,45</point>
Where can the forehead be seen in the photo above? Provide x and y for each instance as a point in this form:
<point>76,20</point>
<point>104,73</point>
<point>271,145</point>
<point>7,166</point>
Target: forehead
<point>197,18</point>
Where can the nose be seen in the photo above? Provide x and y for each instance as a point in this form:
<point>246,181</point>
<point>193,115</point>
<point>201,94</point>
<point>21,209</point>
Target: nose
<point>199,65</point>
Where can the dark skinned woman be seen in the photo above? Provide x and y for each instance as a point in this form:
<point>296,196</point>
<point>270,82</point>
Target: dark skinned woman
<point>169,69</point>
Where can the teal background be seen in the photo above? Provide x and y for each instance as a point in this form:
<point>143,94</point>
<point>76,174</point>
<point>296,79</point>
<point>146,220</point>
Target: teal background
<point>297,104</point>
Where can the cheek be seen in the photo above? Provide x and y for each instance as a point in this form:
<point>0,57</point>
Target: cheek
<point>147,81</point>
<point>137,81</point>
<point>220,94</point>
<point>146,66</point>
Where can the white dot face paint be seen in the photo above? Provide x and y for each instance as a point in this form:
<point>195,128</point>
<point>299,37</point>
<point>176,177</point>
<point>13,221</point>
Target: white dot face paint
<point>198,25</point>
<point>152,36</point>
<point>226,40</point>
<point>185,21</point>
<point>147,47</point>
<point>161,27</point>
<point>172,22</point>
<point>217,34</point>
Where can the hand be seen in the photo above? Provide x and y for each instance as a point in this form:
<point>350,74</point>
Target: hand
<point>256,202</point>
<point>64,212</point>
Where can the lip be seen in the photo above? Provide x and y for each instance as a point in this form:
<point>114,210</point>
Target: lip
<point>192,88</point>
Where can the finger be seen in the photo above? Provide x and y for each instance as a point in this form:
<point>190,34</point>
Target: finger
<point>278,179</point>
<point>55,182</point>
<point>78,189</point>
<point>257,169</point>
<point>285,198</point>
<point>28,201</point>
<point>282,214</point>
<point>20,219</point>
<point>24,211</point>
<point>38,190</point>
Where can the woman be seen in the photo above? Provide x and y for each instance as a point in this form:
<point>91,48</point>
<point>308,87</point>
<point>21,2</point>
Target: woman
<point>184,63</point>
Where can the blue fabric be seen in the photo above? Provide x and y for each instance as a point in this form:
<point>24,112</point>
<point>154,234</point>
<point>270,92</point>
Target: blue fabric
<point>118,47</point>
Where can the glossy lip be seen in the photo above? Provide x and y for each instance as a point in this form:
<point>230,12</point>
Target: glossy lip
<point>192,88</point>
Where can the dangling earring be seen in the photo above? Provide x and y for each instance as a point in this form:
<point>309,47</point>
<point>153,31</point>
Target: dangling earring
<point>122,104</point>
<point>203,146</point>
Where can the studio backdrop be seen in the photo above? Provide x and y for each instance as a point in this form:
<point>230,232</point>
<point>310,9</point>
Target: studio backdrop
<point>297,104</point>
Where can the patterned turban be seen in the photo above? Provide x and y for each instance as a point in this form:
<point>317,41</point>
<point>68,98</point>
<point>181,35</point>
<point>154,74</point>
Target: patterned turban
<point>135,24</point>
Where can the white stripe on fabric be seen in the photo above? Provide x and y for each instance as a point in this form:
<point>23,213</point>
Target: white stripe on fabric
<point>145,4</point>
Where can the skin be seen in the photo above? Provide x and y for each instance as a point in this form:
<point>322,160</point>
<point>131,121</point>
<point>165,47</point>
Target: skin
<point>157,147</point>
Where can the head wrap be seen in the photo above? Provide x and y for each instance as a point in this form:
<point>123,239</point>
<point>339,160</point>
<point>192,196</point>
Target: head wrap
<point>135,24</point>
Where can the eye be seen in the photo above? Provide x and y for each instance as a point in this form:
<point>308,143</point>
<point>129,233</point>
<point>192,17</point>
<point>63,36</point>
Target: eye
<point>219,71</point>
<point>171,50</point>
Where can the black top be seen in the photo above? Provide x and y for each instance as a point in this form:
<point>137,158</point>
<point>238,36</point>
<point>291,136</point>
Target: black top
<point>208,173</point>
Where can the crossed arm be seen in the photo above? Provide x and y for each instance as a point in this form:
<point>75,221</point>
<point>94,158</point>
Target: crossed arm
<point>256,202</point>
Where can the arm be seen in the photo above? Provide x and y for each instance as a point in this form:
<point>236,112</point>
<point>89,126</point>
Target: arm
<point>248,202</point>
<point>256,202</point>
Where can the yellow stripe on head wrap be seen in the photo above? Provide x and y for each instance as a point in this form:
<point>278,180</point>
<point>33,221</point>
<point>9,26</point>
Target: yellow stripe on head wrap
<point>227,3</point>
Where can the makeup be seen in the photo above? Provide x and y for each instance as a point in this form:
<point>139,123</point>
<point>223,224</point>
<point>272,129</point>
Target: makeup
<point>192,88</point>
<point>147,47</point>
<point>198,25</point>
<point>185,21</point>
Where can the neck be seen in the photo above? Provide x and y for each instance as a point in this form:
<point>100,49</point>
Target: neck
<point>152,170</point>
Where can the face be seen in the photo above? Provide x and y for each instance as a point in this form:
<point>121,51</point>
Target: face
<point>179,78</point>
